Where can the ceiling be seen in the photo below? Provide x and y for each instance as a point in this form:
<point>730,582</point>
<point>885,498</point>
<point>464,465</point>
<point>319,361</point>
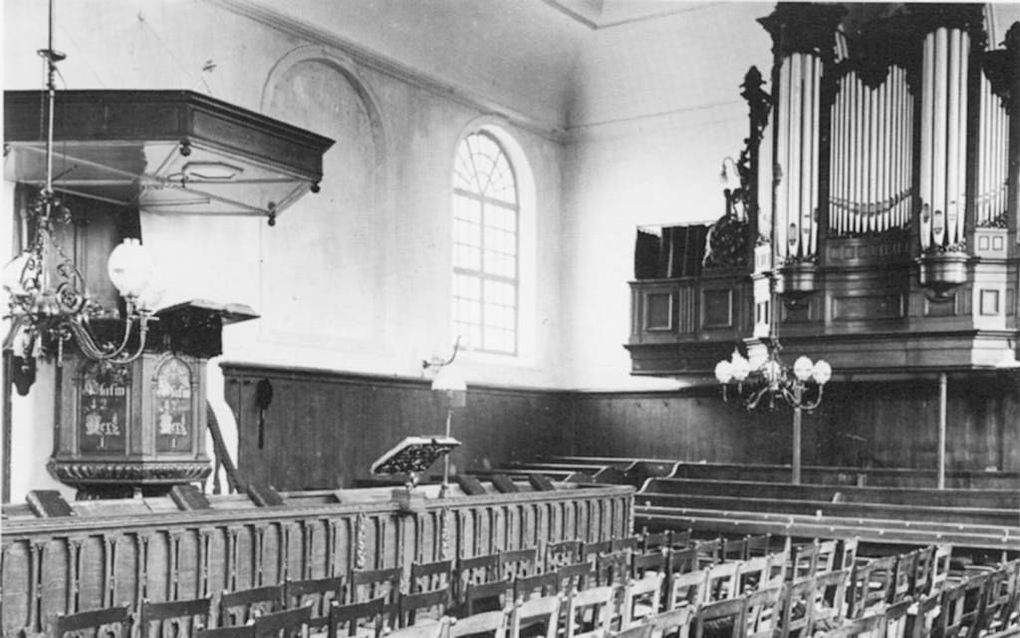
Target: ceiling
<point>602,14</point>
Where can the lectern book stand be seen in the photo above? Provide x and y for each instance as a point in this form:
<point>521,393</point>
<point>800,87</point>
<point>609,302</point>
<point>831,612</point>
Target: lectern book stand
<point>412,457</point>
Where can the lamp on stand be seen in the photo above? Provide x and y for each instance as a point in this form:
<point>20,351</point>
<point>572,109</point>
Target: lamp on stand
<point>451,389</point>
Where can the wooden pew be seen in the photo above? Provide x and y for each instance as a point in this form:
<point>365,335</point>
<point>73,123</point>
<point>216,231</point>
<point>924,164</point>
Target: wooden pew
<point>121,552</point>
<point>919,513</point>
<point>989,499</point>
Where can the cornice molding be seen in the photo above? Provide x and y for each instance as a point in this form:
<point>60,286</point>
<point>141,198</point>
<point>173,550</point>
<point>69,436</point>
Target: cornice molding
<point>369,59</point>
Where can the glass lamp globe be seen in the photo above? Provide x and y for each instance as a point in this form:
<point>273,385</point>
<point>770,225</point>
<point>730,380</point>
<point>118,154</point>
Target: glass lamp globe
<point>772,370</point>
<point>803,368</point>
<point>740,367</point>
<point>821,372</point>
<point>724,371</point>
<point>130,267</point>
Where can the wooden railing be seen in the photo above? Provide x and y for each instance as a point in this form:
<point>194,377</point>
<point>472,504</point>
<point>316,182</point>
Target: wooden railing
<point>121,552</point>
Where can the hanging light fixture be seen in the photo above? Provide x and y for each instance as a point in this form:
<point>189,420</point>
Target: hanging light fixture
<point>800,386</point>
<point>48,300</point>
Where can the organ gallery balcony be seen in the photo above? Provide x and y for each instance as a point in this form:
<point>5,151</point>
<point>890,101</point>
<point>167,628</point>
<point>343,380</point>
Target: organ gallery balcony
<point>871,217</point>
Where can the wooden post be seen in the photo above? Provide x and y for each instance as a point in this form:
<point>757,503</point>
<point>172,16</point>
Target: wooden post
<point>943,383</point>
<point>798,394</point>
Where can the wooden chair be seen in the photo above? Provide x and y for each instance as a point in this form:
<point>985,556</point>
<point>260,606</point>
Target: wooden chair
<point>721,581</point>
<point>477,569</point>
<point>709,552</point>
<point>754,574</point>
<point>612,568</point>
<point>439,629</point>
<point>828,600</point>
<point>643,597</point>
<point>670,623</point>
<point>590,612</point>
<point>290,623</point>
<point>734,549</point>
<point>577,576</point>
<point>847,556</point>
<point>179,618</point>
<point>686,589</point>
<point>641,564</point>
<point>779,566</point>
<point>238,607</point>
<point>652,541</point>
<point>797,605</point>
<point>536,586</point>
<point>940,567</point>
<point>592,550</point>
<point>625,544</point>
<point>803,561</point>
<point>431,604</point>
<point>487,597</point>
<point>903,576</point>
<point>115,620</point>
<point>873,625</point>
<point>518,563</point>
<point>486,623</point>
<point>361,619</point>
<point>1000,597</point>
<point>369,584</point>
<point>720,618</point>
<point>762,610</point>
<point>760,545</point>
<point>960,608</point>
<point>923,570</point>
<point>562,553</point>
<point>241,631</point>
<point>826,551</point>
<point>682,561</point>
<point>898,619</point>
<point>319,593</point>
<point>430,576</point>
<point>681,539</point>
<point>537,617</point>
<point>871,584</point>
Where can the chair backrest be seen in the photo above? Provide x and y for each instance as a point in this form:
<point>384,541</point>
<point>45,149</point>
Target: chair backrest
<point>656,540</point>
<point>593,549</point>
<point>576,576</point>
<point>117,620</point>
<point>487,596</point>
<point>1001,597</point>
<point>430,576</point>
<point>613,568</point>
<point>797,604</point>
<point>779,567</point>
<point>673,622</point>
<point>645,593</point>
<point>682,561</point>
<point>238,607</point>
<point>940,567</point>
<point>686,589</point>
<point>413,606</point>
<point>762,611</point>
<point>903,579</point>
<point>368,584</point>
<point>241,631</point>
<point>641,564</point>
<point>562,553</point>
<point>544,611</point>
<point>288,623</point>
<point>760,545</point>
<point>803,561</point>
<point>178,618</point>
<point>721,581</point>
<point>961,607</point>
<point>355,615</point>
<point>477,569</point>
<point>634,631</point>
<point>545,584</point>
<point>871,584</point>
<point>709,551</point>
<point>517,563</point>
<point>720,618</point>
<point>595,603</point>
<point>494,623</point>
<point>827,551</point>
<point>320,593</point>
<point>923,571</point>
<point>681,538</point>
<point>734,549</point>
<point>829,599</point>
<point>847,553</point>
<point>754,574</point>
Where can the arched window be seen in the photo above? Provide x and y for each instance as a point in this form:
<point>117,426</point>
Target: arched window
<point>486,246</point>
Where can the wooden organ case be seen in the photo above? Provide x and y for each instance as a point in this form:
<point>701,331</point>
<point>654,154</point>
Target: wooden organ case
<point>877,200</point>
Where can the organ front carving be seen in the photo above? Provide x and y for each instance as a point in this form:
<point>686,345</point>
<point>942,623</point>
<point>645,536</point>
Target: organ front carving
<point>877,201</point>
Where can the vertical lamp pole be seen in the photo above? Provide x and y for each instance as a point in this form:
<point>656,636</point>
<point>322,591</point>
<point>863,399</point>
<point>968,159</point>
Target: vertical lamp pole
<point>452,390</point>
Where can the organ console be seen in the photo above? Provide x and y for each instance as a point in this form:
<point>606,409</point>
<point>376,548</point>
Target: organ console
<point>880,184</point>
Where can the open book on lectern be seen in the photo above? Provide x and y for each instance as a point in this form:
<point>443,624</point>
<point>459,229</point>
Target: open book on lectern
<point>414,455</point>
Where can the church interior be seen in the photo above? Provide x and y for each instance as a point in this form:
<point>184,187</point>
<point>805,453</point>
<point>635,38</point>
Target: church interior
<point>658,318</point>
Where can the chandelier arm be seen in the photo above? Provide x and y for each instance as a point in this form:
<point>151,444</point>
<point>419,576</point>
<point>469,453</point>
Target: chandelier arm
<point>811,405</point>
<point>753,401</point>
<point>93,350</point>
